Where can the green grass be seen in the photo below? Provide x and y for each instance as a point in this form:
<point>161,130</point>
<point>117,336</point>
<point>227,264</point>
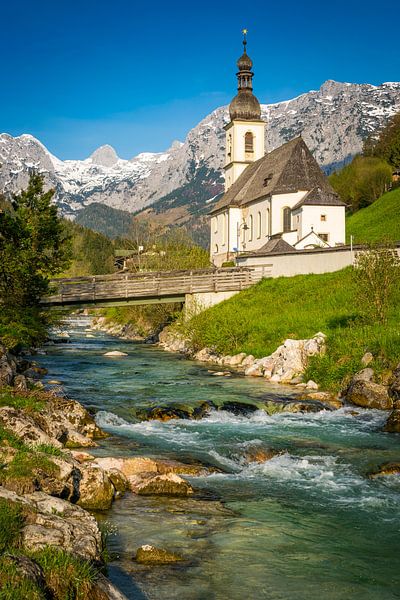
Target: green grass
<point>29,401</point>
<point>25,463</point>
<point>11,523</point>
<point>67,577</point>
<point>258,320</point>
<point>377,222</point>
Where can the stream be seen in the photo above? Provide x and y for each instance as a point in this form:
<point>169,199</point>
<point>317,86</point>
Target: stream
<point>305,525</point>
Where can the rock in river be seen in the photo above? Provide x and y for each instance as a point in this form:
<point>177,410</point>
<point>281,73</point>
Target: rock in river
<point>386,469</point>
<point>156,556</point>
<point>168,484</point>
<point>393,423</point>
<point>369,395</point>
<point>115,353</point>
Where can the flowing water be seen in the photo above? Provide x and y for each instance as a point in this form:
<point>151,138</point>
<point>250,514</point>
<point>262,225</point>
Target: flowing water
<point>306,525</point>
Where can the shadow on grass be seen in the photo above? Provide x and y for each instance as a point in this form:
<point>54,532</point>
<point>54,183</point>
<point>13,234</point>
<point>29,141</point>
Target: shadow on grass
<point>343,321</point>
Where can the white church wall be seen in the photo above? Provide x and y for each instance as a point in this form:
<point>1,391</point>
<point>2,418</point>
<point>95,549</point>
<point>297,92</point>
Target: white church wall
<point>324,220</point>
<point>278,203</point>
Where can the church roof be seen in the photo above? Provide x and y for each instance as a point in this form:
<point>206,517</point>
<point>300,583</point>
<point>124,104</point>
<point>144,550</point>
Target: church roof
<point>276,244</point>
<point>318,197</point>
<point>288,169</point>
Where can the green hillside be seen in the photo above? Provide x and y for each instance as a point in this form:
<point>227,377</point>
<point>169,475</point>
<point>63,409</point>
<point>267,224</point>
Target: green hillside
<point>111,222</point>
<point>258,320</point>
<point>379,221</point>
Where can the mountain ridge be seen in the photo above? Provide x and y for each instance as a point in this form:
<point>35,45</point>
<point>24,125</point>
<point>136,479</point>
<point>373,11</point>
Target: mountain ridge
<point>333,121</point>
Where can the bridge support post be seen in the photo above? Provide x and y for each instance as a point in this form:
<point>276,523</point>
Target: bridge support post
<point>197,302</point>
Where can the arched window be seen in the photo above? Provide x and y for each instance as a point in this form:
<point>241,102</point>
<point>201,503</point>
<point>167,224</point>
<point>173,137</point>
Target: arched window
<point>249,142</point>
<point>216,249</point>
<point>267,222</point>
<point>223,228</point>
<point>258,224</point>
<point>215,224</point>
<point>229,148</point>
<point>250,228</point>
<point>287,226</point>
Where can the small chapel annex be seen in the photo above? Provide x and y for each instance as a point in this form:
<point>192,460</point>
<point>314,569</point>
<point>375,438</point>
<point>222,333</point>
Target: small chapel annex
<point>275,202</point>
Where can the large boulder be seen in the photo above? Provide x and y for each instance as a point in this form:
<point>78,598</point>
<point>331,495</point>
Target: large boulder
<point>7,368</point>
<point>369,395</point>
<point>392,425</point>
<point>168,484</point>
<point>54,522</point>
<point>24,427</point>
<point>96,492</point>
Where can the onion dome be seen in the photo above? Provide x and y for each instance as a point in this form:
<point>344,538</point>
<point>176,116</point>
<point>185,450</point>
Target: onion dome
<point>245,105</point>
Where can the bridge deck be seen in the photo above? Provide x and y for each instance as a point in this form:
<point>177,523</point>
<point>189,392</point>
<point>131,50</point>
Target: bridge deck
<point>147,288</point>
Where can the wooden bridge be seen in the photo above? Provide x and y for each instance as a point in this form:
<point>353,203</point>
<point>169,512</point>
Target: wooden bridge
<point>149,288</point>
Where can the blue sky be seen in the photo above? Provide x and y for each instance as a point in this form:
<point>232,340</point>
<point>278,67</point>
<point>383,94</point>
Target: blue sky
<point>138,75</point>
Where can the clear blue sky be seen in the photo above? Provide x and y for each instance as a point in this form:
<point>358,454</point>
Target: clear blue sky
<point>138,75</point>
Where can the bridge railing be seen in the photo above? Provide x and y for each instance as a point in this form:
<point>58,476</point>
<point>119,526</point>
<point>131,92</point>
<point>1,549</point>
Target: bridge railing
<point>124,286</point>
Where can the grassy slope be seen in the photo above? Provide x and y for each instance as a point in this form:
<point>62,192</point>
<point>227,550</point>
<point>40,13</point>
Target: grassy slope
<point>380,220</point>
<point>257,320</point>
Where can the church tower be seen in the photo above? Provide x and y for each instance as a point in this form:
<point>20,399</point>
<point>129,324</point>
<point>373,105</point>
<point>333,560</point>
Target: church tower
<point>245,133</point>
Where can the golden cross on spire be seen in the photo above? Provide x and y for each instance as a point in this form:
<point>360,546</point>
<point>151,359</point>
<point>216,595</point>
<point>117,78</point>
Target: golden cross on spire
<point>244,31</point>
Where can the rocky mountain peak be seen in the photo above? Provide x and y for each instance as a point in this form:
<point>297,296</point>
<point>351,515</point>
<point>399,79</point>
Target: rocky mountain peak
<point>105,156</point>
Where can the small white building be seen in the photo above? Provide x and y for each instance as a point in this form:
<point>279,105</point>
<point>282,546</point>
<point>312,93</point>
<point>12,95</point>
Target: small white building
<point>280,195</point>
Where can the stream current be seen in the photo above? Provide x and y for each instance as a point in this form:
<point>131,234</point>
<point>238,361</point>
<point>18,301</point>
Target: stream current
<point>305,525</point>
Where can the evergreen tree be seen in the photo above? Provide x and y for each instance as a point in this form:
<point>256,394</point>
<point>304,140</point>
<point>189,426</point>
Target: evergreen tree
<point>387,146</point>
<point>33,248</point>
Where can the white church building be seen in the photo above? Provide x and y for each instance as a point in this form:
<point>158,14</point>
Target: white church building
<point>275,202</point>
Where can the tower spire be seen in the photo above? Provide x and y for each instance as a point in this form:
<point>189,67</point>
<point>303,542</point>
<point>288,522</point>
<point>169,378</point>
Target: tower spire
<point>245,105</point>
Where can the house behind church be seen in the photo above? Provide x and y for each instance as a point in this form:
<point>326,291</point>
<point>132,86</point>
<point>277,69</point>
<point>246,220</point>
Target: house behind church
<point>276,201</point>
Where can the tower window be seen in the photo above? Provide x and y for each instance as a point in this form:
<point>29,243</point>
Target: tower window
<point>249,142</point>
<point>287,226</point>
<point>323,217</point>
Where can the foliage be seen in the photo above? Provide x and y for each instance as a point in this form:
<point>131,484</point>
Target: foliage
<point>68,577</point>
<point>258,320</point>
<point>377,273</point>
<point>362,182</point>
<point>11,523</point>
<point>29,401</point>
<point>25,463</point>
<point>110,222</point>
<point>377,222</point>
<point>33,248</point>
<point>92,253</point>
<point>387,146</point>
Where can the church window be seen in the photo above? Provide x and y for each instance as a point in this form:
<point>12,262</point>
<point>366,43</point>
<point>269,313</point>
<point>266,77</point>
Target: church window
<point>286,219</point>
<point>323,217</point>
<point>223,228</point>
<point>258,225</point>
<point>216,249</point>
<point>249,142</point>
<point>267,222</point>
<point>324,236</point>
<point>215,224</point>
<point>229,150</point>
<point>250,228</point>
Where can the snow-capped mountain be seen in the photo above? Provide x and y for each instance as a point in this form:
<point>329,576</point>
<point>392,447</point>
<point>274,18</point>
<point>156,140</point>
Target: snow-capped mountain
<point>333,121</point>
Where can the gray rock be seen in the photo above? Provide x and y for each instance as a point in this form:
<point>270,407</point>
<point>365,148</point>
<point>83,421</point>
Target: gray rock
<point>392,425</point>
<point>369,395</point>
<point>367,359</point>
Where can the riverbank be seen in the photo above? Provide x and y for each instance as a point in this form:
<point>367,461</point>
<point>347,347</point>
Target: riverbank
<point>51,487</point>
<point>307,501</point>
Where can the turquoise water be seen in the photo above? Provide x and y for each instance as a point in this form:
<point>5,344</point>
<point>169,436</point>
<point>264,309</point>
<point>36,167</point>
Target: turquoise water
<point>307,524</point>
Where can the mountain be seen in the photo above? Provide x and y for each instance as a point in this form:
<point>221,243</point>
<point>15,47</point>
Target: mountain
<point>185,180</point>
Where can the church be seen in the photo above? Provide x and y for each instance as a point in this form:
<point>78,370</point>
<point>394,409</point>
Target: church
<point>275,202</point>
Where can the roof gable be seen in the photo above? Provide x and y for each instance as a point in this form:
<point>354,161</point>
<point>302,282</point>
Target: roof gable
<point>287,169</point>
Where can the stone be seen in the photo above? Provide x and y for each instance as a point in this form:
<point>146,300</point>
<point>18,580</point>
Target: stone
<point>254,370</point>
<point>248,361</point>
<point>119,481</point>
<point>96,491</point>
<point>237,359</point>
<point>25,428</point>
<point>168,484</point>
<point>81,456</point>
<point>324,398</point>
<point>392,425</point>
<point>369,395</point>
<point>394,386</point>
<point>115,353</point>
<point>7,371</point>
<point>275,378</point>
<point>311,385</point>
<point>259,454</point>
<point>128,466</point>
<point>367,359</point>
<point>55,522</point>
<point>392,468</point>
<point>20,384</point>
<point>363,375</point>
<point>148,554</point>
